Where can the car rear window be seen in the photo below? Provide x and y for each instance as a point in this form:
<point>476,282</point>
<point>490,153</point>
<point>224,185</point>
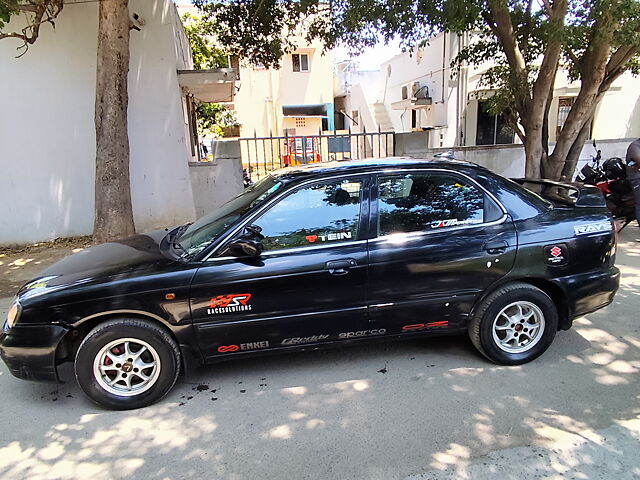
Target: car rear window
<point>427,201</point>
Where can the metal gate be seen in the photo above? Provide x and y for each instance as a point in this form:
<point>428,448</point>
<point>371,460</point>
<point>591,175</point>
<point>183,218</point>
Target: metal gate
<point>261,155</point>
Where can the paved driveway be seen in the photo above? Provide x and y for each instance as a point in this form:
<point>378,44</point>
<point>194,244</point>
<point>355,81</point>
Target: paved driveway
<point>429,409</point>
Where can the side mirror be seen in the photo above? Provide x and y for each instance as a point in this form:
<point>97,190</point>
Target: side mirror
<point>249,244</point>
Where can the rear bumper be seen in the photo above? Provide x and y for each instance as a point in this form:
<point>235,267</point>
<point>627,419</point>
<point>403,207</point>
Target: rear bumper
<point>29,351</point>
<point>588,292</point>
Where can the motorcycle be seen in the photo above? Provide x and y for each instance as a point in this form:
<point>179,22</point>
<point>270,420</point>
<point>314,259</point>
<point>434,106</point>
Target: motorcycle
<point>246,178</point>
<point>610,177</point>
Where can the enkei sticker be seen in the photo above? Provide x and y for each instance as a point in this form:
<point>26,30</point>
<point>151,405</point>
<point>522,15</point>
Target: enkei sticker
<point>362,333</point>
<point>236,302</point>
<point>300,340</point>
<point>243,347</point>
<point>596,227</point>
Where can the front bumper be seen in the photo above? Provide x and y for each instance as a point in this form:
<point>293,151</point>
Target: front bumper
<point>29,351</point>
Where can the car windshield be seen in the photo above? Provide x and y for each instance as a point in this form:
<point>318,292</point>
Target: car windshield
<point>207,229</point>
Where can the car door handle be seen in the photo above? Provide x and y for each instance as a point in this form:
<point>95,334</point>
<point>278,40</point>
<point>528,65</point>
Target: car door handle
<point>340,267</point>
<point>496,246</point>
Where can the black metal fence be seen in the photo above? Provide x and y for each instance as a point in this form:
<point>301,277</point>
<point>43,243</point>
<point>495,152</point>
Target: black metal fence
<point>261,155</point>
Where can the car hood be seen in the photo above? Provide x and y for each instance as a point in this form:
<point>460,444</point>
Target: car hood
<point>120,258</point>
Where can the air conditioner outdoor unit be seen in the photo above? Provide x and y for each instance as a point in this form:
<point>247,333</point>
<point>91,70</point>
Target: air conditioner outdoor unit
<point>417,93</point>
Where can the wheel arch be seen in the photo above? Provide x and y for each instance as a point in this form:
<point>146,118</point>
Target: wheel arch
<point>554,291</point>
<point>68,347</point>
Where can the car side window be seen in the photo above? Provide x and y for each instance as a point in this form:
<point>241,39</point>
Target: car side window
<point>427,201</point>
<point>322,213</point>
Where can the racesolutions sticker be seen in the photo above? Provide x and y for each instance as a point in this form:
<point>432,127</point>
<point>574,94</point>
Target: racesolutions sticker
<point>235,302</point>
<point>595,227</point>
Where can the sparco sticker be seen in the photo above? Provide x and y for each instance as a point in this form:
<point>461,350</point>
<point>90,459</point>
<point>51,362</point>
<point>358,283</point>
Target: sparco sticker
<point>236,302</point>
<point>299,340</point>
<point>596,227</point>
<point>362,333</point>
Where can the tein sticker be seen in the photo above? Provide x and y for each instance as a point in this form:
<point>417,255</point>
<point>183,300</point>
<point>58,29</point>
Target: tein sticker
<point>329,237</point>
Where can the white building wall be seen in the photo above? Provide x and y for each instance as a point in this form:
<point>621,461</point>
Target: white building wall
<point>452,118</point>
<point>258,103</point>
<point>47,136</point>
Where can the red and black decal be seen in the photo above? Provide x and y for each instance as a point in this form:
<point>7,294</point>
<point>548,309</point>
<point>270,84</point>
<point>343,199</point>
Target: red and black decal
<point>556,255</point>
<point>421,326</point>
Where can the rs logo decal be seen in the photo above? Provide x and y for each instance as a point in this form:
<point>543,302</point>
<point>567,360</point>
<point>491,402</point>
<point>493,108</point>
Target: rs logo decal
<point>237,302</point>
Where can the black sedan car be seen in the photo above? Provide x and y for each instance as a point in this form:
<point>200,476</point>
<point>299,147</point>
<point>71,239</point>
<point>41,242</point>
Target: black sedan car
<point>317,256</point>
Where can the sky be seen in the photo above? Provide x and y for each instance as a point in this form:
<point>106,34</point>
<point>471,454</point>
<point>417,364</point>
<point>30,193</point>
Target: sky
<point>372,57</point>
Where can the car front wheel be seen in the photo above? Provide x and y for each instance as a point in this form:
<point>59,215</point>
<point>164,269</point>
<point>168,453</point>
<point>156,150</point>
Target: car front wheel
<point>127,363</point>
<point>514,325</point>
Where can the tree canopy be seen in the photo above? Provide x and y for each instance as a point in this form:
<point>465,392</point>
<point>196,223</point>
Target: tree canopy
<point>595,40</point>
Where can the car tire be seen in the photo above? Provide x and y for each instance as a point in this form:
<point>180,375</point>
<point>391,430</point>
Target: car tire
<point>514,324</point>
<point>127,363</point>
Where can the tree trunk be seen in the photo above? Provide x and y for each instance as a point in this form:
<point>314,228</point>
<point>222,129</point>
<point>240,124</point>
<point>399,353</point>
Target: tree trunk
<point>593,72</point>
<point>574,153</point>
<point>113,212</point>
<point>533,152</point>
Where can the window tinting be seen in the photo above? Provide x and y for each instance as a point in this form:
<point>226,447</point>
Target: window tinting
<point>319,214</point>
<point>417,202</point>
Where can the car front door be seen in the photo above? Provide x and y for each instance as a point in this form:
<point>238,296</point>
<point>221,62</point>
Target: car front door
<point>440,240</point>
<point>308,286</point>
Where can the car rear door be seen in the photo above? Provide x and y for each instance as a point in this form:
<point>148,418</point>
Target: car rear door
<point>439,240</point>
<point>307,287</point>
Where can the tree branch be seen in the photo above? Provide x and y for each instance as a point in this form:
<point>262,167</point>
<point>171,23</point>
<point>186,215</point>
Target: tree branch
<point>45,11</point>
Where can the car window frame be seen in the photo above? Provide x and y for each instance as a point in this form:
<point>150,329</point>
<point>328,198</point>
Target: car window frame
<point>374,195</point>
<point>363,227</point>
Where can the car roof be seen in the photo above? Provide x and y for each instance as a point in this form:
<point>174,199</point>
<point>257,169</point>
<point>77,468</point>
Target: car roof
<point>365,165</point>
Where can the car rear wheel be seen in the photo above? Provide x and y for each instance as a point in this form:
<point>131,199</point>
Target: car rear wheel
<point>127,363</point>
<point>514,325</point>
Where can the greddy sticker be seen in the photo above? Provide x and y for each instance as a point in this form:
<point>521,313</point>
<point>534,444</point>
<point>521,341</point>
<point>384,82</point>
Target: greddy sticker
<point>243,347</point>
<point>595,227</point>
<point>236,302</point>
<point>299,340</point>
<point>453,222</point>
<point>362,333</point>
